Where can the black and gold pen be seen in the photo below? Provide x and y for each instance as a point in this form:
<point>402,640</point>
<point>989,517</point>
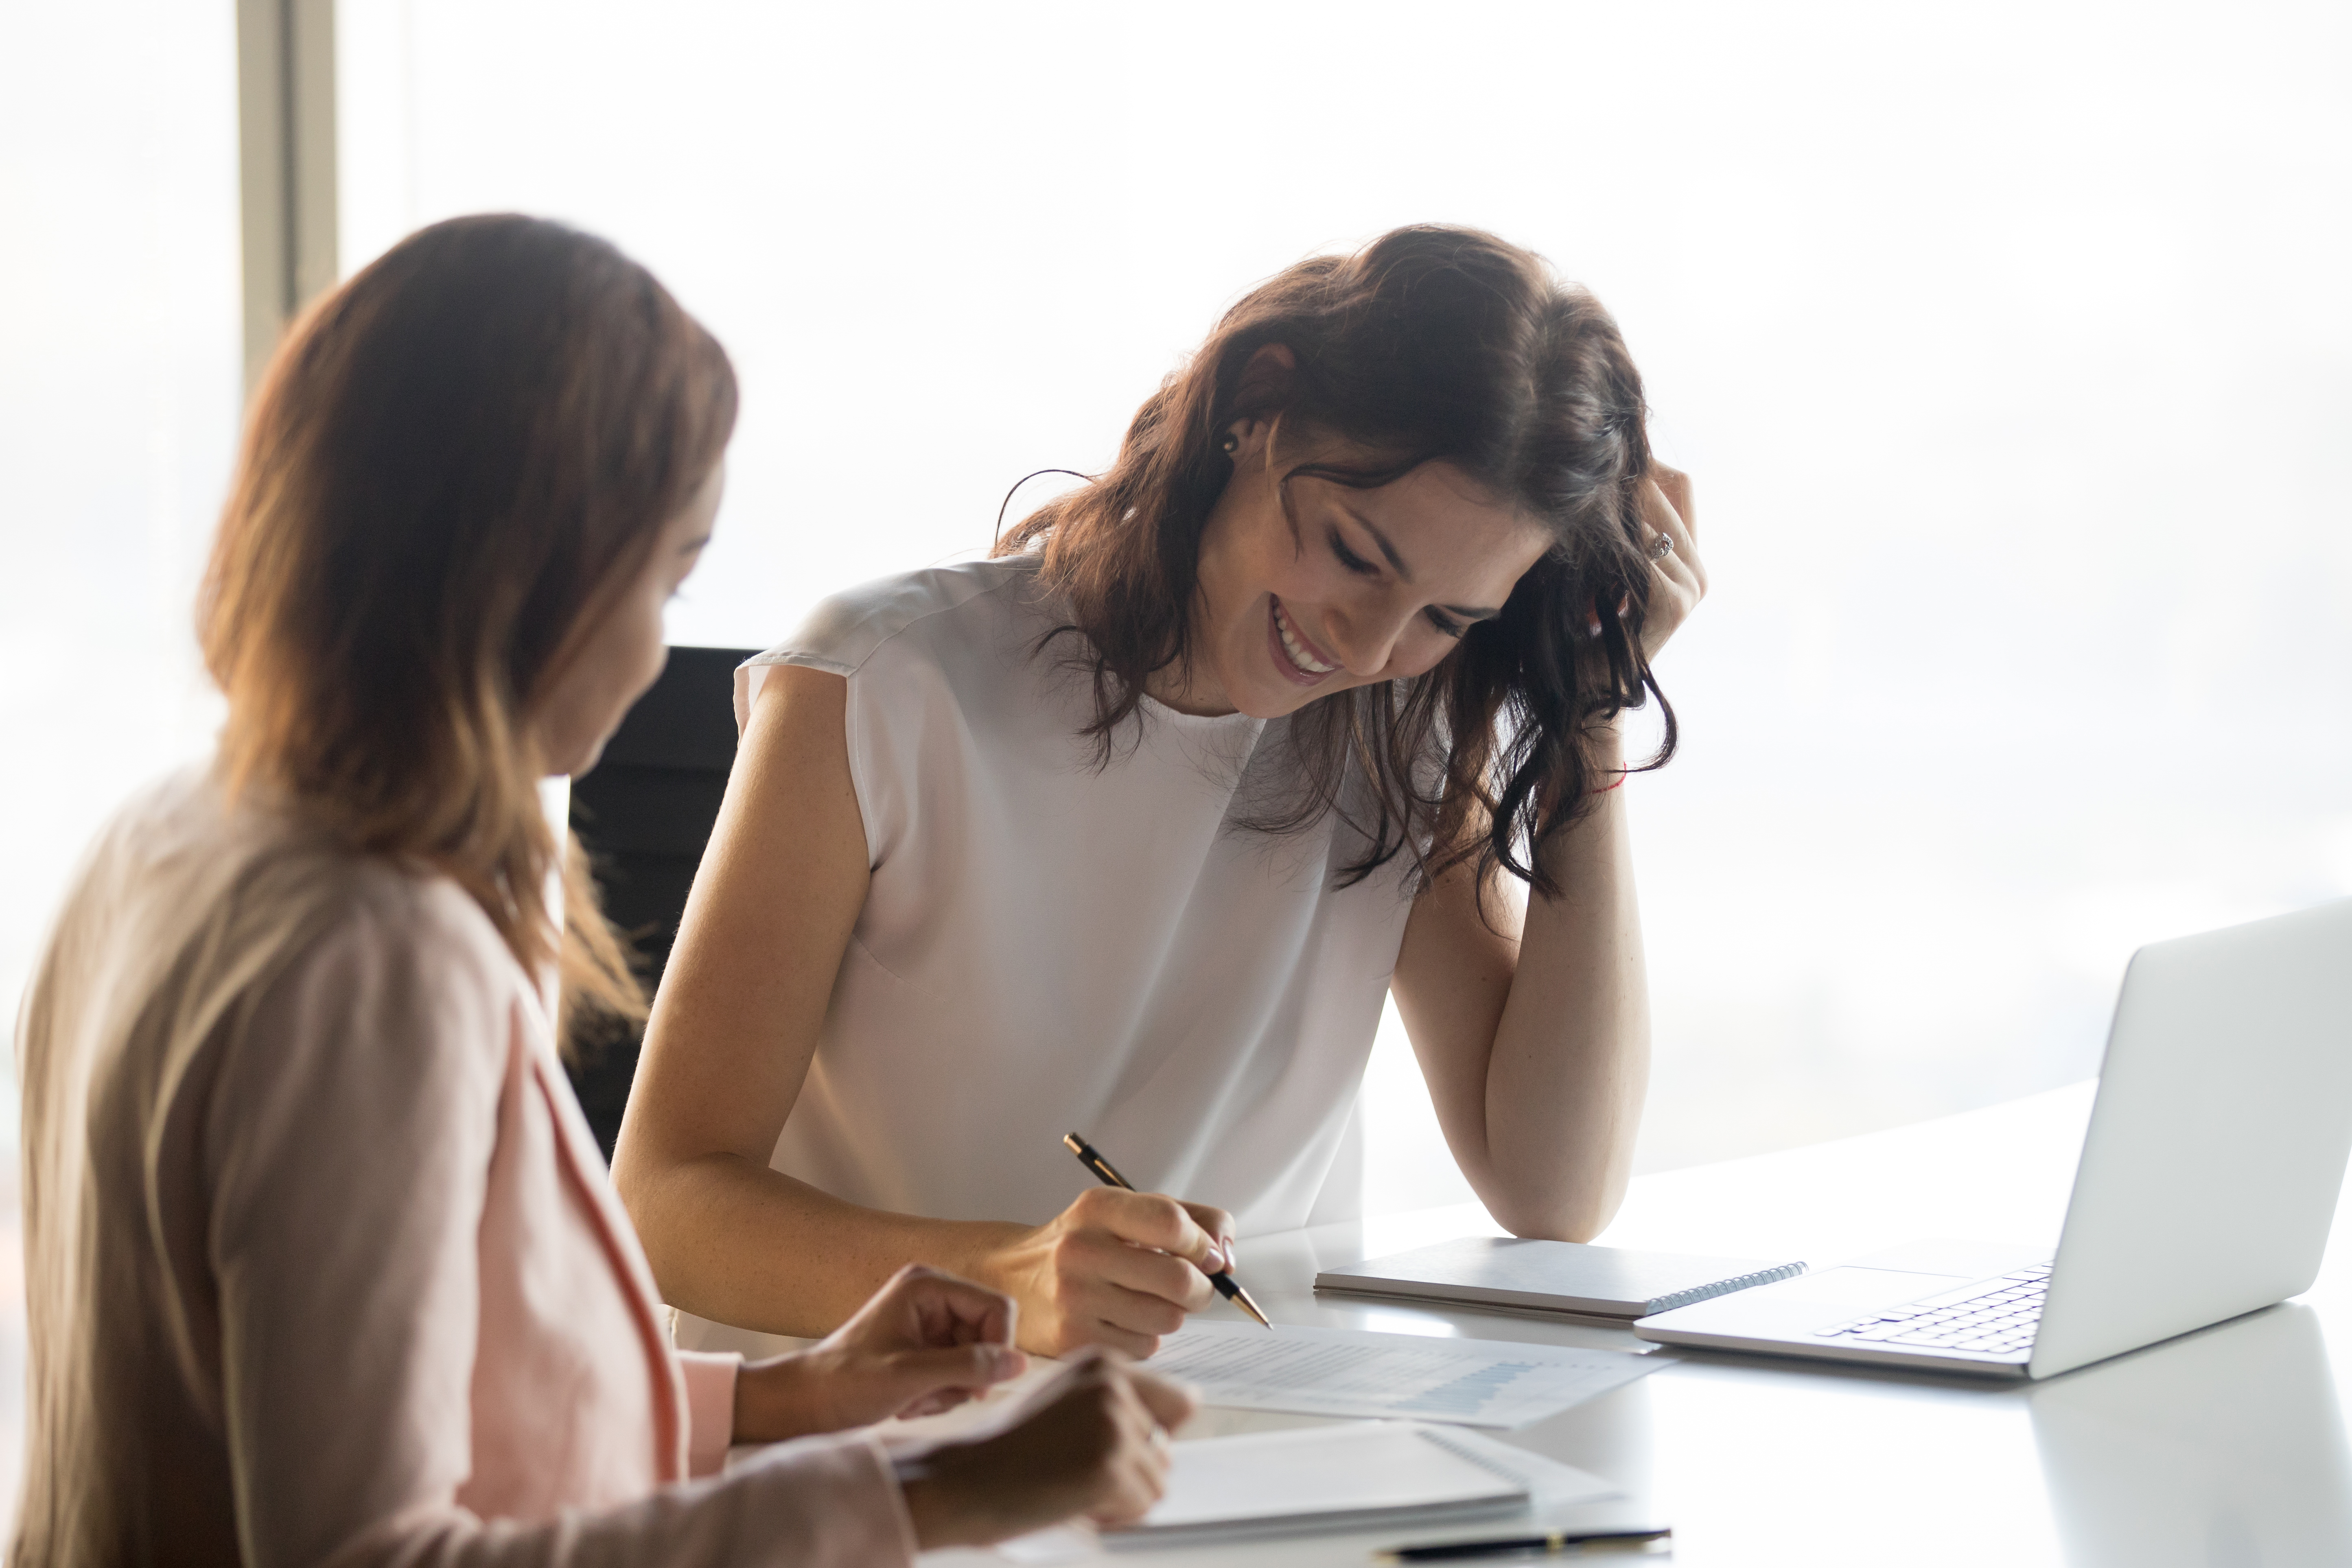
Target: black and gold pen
<point>1107,1175</point>
<point>1574,1543</point>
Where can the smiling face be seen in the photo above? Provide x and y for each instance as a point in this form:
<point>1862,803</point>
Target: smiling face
<point>1342,587</point>
<point>625,651</point>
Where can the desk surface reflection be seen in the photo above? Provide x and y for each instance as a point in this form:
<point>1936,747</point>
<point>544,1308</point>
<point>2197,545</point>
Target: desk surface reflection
<point>2221,1449</point>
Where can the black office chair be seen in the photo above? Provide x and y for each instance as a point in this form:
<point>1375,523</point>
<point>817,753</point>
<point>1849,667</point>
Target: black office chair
<point>645,814</point>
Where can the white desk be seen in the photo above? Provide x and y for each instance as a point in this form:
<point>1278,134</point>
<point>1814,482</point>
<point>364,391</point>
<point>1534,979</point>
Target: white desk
<point>2222,1448</point>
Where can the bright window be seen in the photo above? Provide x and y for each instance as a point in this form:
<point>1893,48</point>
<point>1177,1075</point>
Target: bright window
<point>2009,346</point>
<point>118,366</point>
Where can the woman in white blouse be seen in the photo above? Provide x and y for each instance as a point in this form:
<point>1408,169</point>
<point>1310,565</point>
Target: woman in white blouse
<point>322,1264</point>
<point>1129,829</point>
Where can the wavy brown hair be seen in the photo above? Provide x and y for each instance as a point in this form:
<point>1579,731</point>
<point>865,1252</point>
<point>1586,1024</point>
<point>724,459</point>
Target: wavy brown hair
<point>1430,344</point>
<point>455,465</point>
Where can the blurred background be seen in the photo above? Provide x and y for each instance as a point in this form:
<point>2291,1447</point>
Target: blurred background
<point>2008,345</point>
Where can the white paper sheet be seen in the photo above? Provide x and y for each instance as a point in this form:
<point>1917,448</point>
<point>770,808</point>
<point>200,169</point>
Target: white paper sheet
<point>1355,1372</point>
<point>1550,1486</point>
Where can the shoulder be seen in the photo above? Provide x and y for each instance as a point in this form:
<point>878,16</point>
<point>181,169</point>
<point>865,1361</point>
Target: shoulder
<point>390,1026</point>
<point>321,948</point>
<point>967,603</point>
<point>406,947</point>
<point>187,888</point>
<point>225,939</point>
<point>418,918</point>
<point>364,1082</point>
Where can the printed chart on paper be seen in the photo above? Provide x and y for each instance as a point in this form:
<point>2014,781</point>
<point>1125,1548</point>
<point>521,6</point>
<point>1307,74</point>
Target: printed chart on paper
<point>1356,1372</point>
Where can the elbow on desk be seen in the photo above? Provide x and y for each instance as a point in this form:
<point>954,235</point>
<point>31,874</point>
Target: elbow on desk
<point>1562,1217</point>
<point>1549,1228</point>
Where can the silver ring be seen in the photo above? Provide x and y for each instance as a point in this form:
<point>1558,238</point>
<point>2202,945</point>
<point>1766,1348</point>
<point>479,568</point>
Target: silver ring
<point>1662,546</point>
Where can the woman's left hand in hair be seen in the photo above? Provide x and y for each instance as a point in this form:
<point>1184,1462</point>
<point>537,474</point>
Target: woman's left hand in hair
<point>923,1342</point>
<point>1679,579</point>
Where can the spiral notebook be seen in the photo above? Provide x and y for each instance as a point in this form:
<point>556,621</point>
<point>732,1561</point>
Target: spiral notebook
<point>1551,1277</point>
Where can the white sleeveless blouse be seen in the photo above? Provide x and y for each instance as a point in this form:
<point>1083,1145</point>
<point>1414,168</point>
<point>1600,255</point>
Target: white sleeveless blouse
<point>1050,945</point>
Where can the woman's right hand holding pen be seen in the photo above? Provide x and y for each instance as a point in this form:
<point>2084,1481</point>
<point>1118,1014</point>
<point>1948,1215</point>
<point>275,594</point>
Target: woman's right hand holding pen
<point>730,1045</point>
<point>1116,1268</point>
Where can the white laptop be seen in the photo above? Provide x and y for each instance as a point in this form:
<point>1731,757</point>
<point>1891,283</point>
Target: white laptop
<point>2208,1182</point>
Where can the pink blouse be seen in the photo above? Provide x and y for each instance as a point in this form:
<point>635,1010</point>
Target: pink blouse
<point>322,1263</point>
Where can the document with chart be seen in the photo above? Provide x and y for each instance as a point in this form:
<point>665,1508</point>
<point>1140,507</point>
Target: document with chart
<point>1355,1372</point>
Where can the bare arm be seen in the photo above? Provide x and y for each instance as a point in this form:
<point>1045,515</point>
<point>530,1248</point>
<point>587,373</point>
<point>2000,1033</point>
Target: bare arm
<point>733,1033</point>
<point>1535,1039</point>
<point>1537,1047</point>
<point>728,1049</point>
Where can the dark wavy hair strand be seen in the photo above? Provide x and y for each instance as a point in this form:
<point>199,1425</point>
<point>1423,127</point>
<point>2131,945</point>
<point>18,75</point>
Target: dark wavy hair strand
<point>1430,344</point>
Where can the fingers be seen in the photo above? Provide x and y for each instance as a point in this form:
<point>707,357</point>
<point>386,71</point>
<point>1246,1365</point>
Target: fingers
<point>833,1385</point>
<point>1675,489</point>
<point>1130,1324</point>
<point>1132,1472</point>
<point>1096,1443</point>
<point>1089,1445</point>
<point>957,1311</point>
<point>923,1306</point>
<point>1218,1224</point>
<point>1681,568</point>
<point>972,1367</point>
<point>1107,1292</point>
<point>1116,1268</point>
<point>1098,1278</point>
<point>935,1379</point>
<point>1172,1281</point>
<point>934,1404</point>
<point>1171,1403</point>
<point>1660,516</point>
<point>1153,1220</point>
<point>1666,509</point>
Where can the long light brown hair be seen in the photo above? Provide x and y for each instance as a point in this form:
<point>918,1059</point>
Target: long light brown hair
<point>456,463</point>
<point>1430,344</point>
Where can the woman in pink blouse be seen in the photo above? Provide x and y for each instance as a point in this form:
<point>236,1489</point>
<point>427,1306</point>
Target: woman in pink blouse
<point>322,1264</point>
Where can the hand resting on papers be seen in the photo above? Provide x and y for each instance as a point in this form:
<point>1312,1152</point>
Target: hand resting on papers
<point>1091,1441</point>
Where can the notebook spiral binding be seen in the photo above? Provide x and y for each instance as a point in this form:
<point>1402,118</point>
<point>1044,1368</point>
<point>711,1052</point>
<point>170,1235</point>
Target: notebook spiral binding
<point>1725,1287</point>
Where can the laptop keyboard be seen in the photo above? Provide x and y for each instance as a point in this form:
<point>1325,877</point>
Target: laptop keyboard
<point>1989,1316</point>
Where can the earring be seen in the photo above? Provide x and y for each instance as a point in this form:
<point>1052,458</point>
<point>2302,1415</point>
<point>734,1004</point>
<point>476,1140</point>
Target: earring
<point>1231,442</point>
